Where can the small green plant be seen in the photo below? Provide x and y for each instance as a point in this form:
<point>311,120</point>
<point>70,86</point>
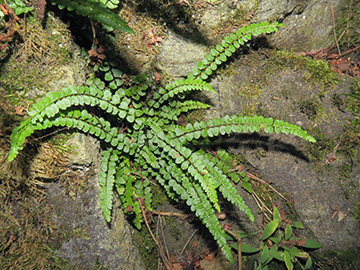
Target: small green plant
<point>18,6</point>
<point>279,241</point>
<point>142,140</point>
<point>99,10</point>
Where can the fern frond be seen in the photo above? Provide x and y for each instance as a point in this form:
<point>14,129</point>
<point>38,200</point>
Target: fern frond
<point>181,156</point>
<point>141,139</point>
<point>149,157</point>
<point>188,105</point>
<point>130,201</point>
<point>19,7</point>
<point>122,172</point>
<point>97,11</point>
<point>111,3</point>
<point>81,120</point>
<point>180,86</point>
<point>53,102</point>
<point>161,175</point>
<point>192,193</point>
<point>106,180</point>
<point>132,185</point>
<point>224,161</point>
<point>228,46</point>
<point>172,113</point>
<point>222,181</point>
<point>203,170</point>
<point>227,125</point>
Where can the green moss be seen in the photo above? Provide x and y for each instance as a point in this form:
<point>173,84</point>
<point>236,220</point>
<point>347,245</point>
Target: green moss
<point>312,108</point>
<point>159,196</point>
<point>353,99</point>
<point>347,25</point>
<point>346,260</point>
<point>249,95</point>
<point>317,71</point>
<point>343,147</point>
<point>356,212</point>
<point>146,246</point>
<point>195,116</point>
<point>264,64</point>
<point>32,65</point>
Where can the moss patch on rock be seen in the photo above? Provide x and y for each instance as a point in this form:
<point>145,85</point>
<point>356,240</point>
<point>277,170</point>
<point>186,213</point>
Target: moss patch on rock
<point>33,66</point>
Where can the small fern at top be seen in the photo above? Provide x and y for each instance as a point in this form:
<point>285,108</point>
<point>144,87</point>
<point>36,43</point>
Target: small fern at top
<point>98,10</point>
<point>143,141</point>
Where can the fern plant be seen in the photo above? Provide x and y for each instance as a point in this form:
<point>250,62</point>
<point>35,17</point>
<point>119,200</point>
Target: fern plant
<point>142,140</point>
<point>18,6</point>
<point>99,10</point>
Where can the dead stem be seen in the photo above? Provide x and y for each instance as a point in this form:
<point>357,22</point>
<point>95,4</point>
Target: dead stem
<point>188,241</point>
<point>165,258</point>
<point>163,237</point>
<point>333,22</point>
<point>238,238</point>
<point>262,206</point>
<point>265,183</point>
<point>171,214</point>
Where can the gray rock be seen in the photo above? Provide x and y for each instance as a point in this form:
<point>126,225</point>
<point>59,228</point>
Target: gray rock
<point>276,9</point>
<point>316,196</point>
<point>179,56</point>
<point>308,25</point>
<point>283,161</point>
<point>82,152</point>
<point>287,95</point>
<point>89,240</point>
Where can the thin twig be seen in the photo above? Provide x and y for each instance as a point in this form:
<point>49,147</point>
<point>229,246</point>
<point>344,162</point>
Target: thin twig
<point>157,235</point>
<point>93,30</point>
<point>51,133</point>
<point>238,238</point>
<point>166,260</point>
<point>263,206</point>
<point>343,33</point>
<point>333,21</point>
<point>265,183</point>
<point>188,241</point>
<point>163,237</point>
<point>256,201</point>
<point>351,50</point>
<point>171,214</point>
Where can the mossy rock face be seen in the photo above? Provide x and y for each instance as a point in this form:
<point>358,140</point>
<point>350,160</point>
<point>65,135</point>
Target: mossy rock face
<point>172,59</point>
<point>308,25</point>
<point>64,175</point>
<point>313,184</point>
<point>88,241</point>
<point>303,92</point>
<point>46,60</point>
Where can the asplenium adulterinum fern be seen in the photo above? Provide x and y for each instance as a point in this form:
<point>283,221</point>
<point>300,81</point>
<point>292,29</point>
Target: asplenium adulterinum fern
<point>143,141</point>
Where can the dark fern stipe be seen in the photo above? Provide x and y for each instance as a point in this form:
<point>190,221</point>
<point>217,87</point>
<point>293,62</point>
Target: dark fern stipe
<point>143,141</point>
